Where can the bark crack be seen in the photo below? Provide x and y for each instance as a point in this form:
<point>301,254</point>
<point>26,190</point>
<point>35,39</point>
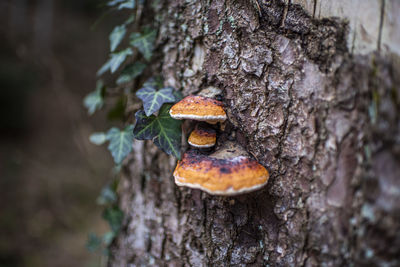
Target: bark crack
<point>284,128</point>
<point>314,8</point>
<point>285,12</point>
<point>381,21</point>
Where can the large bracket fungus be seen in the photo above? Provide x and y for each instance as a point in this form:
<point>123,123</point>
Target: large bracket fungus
<point>228,171</point>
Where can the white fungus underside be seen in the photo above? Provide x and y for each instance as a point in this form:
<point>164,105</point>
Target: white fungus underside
<point>197,117</point>
<point>229,192</point>
<point>201,146</point>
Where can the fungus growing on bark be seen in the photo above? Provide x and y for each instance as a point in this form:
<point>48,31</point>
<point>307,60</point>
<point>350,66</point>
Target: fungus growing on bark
<point>198,108</point>
<point>228,171</point>
<point>202,137</point>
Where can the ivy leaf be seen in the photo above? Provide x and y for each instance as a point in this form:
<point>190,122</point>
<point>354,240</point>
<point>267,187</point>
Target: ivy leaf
<point>107,196</point>
<point>116,36</point>
<point>130,4</point>
<point>93,242</point>
<point>153,100</point>
<point>108,238</point>
<point>144,42</point>
<point>118,58</point>
<point>130,20</point>
<point>114,216</point>
<point>120,142</point>
<point>122,4</point>
<point>115,2</point>
<point>98,138</point>
<point>163,130</point>
<point>130,72</point>
<point>94,100</point>
<point>154,82</point>
<point>106,66</point>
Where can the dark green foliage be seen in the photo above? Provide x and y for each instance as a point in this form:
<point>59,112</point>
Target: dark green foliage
<point>115,61</point>
<point>115,2</point>
<point>113,215</point>
<point>108,238</point>
<point>153,99</point>
<point>104,68</point>
<point>130,72</point>
<point>156,82</point>
<point>162,129</point>
<point>118,58</point>
<point>120,4</point>
<point>94,100</point>
<point>144,42</point>
<point>107,196</point>
<point>120,143</point>
<point>116,36</point>
<point>98,138</point>
<point>93,242</point>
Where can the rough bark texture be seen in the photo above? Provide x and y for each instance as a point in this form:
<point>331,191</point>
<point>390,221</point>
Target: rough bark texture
<point>323,121</point>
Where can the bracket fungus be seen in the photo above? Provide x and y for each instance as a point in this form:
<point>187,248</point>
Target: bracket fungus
<point>198,108</point>
<point>228,171</point>
<point>202,137</point>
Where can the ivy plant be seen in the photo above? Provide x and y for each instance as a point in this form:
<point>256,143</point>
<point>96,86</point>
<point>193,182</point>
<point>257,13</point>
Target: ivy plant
<point>130,72</point>
<point>120,142</point>
<point>131,51</point>
<point>162,129</point>
<point>144,41</point>
<point>94,100</point>
<point>153,99</point>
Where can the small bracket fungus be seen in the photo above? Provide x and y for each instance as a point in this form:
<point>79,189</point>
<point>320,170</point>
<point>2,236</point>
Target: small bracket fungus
<point>228,171</point>
<point>202,137</point>
<point>198,108</point>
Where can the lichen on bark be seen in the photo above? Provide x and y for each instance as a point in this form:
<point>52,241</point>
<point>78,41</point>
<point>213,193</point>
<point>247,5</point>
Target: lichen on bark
<point>324,122</point>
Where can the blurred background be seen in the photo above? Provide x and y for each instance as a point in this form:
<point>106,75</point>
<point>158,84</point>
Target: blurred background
<point>50,174</point>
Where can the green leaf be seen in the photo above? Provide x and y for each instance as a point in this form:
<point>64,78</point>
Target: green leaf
<point>122,4</point>
<point>94,100</point>
<point>115,2</point>
<point>114,216</point>
<point>108,238</point>
<point>144,42</point>
<point>130,72</point>
<point>163,130</point>
<point>98,138</point>
<point>118,58</point>
<point>120,142</point>
<point>130,4</point>
<point>93,242</point>
<point>152,82</point>
<point>130,20</point>
<point>153,100</point>
<point>107,196</point>
<point>106,66</point>
<point>116,36</point>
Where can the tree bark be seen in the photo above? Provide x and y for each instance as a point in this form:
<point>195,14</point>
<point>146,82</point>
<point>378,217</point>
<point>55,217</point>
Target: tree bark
<point>320,113</point>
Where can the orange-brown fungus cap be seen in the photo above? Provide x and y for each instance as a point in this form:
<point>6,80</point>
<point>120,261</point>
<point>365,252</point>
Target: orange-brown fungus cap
<point>198,108</point>
<point>202,137</point>
<point>225,172</point>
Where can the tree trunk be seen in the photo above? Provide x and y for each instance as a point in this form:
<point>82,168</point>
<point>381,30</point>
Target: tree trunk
<point>316,100</point>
